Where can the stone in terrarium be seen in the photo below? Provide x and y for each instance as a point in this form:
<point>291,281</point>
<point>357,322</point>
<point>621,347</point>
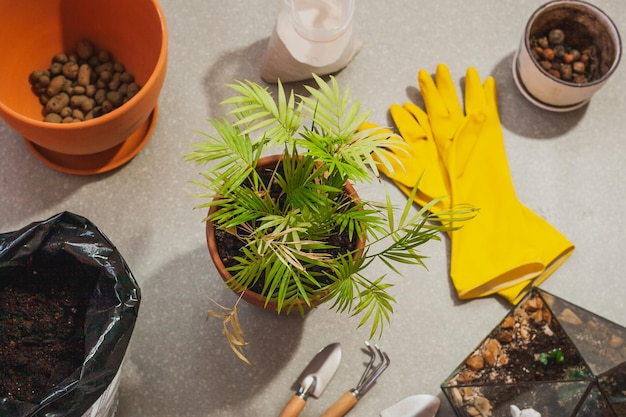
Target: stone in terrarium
<point>547,355</point>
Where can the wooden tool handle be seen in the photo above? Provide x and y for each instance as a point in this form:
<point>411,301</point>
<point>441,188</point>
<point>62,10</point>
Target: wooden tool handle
<point>341,406</point>
<point>293,407</point>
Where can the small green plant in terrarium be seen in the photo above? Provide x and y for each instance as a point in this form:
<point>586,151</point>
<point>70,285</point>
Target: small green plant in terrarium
<point>285,220</point>
<point>554,356</point>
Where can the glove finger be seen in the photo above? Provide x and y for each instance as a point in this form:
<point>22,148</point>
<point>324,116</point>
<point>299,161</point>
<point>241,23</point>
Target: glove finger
<point>475,96</point>
<point>434,103</point>
<point>470,131</point>
<point>420,117</point>
<point>480,97</point>
<point>410,128</point>
<point>391,160</point>
<point>443,107</point>
<point>491,96</point>
<point>446,88</point>
<point>408,165</point>
<point>367,125</point>
<point>414,126</point>
<point>465,142</point>
<point>444,145</point>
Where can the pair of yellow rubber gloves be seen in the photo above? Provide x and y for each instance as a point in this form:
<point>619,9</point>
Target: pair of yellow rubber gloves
<point>506,248</point>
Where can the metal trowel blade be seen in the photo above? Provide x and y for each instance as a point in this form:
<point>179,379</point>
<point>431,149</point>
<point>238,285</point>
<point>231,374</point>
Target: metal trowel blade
<point>422,405</point>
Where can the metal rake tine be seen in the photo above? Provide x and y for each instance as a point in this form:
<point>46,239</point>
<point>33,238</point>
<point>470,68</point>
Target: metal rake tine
<point>368,367</point>
<point>371,379</point>
<point>385,361</point>
<point>380,353</point>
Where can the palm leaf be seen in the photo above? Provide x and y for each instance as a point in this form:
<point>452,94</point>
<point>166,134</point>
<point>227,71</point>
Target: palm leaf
<point>375,304</point>
<point>284,223</point>
<point>256,110</point>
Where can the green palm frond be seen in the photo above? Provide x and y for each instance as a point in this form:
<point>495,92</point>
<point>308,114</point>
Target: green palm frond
<point>256,109</point>
<point>380,148</point>
<point>330,109</point>
<point>375,305</point>
<point>334,137</point>
<point>344,287</point>
<point>359,220</point>
<point>285,216</point>
<point>353,293</point>
<point>240,206</point>
<point>236,156</point>
<point>305,184</point>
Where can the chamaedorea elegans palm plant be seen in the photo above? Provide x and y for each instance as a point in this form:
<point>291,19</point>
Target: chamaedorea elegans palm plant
<point>297,226</point>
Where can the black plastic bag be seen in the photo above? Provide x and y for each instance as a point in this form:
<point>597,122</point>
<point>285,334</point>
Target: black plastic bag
<point>70,246</point>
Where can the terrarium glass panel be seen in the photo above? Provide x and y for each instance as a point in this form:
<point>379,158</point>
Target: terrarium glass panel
<point>600,341</point>
<point>613,383</point>
<point>595,405</point>
<point>547,356</point>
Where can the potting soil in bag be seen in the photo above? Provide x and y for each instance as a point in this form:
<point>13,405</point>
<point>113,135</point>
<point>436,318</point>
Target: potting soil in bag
<point>68,306</point>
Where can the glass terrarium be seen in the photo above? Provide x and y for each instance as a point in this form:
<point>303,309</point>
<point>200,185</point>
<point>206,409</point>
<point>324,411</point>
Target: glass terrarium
<point>547,358</point>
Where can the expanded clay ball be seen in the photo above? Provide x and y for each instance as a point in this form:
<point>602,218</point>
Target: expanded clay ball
<point>556,37</point>
<point>573,63</point>
<point>84,50</point>
<point>82,85</point>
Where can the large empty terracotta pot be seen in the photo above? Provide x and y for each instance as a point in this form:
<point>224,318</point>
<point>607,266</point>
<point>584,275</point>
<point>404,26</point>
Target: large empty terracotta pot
<point>33,31</point>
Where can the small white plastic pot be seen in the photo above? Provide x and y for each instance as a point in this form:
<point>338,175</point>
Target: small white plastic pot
<point>580,21</point>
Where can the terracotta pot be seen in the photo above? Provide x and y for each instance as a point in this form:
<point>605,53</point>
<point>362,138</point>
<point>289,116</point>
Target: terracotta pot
<point>32,32</point>
<point>251,297</point>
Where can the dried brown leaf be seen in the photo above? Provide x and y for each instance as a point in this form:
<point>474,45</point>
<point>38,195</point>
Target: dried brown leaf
<point>231,328</point>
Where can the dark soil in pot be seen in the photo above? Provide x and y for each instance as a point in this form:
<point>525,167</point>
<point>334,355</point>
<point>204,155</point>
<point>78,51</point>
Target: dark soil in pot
<point>41,332</point>
<point>229,246</point>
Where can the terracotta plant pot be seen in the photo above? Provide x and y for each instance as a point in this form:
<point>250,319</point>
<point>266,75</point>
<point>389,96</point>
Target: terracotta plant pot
<point>32,32</point>
<point>249,296</point>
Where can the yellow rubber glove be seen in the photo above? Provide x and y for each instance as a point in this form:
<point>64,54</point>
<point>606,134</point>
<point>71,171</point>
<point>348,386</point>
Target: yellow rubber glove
<point>419,161</point>
<point>506,248</point>
<point>422,157</point>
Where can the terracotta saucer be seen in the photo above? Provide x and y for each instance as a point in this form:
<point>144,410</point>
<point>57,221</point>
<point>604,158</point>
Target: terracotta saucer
<point>100,162</point>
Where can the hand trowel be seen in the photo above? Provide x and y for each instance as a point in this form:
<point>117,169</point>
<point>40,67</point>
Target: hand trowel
<point>421,405</point>
<point>314,378</point>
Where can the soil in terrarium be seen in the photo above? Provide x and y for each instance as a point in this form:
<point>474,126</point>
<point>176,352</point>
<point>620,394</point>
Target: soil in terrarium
<point>515,363</point>
<point>532,359</point>
<point>528,345</point>
<point>42,318</point>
